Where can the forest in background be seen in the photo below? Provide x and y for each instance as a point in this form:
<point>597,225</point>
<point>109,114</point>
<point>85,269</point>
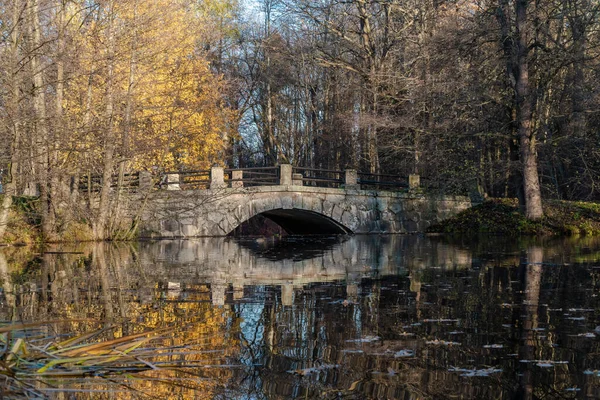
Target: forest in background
<point>498,97</point>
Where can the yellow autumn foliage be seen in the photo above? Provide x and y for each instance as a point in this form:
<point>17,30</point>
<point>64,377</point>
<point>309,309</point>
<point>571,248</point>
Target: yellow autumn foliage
<point>168,111</point>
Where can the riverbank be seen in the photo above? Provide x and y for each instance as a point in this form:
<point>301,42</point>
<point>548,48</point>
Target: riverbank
<point>502,217</point>
<point>23,223</point>
<point>24,226</point>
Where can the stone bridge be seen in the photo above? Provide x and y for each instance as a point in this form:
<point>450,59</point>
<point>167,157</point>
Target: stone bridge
<point>298,209</point>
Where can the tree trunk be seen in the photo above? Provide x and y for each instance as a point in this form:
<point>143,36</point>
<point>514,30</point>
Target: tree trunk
<point>14,129</point>
<point>40,120</point>
<point>527,142</point>
<point>125,153</point>
<point>101,223</point>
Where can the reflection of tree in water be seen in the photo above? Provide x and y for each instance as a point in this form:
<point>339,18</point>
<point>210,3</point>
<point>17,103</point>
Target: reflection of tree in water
<point>392,337</point>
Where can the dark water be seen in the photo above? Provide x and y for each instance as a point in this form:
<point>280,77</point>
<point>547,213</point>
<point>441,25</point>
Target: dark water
<point>364,317</point>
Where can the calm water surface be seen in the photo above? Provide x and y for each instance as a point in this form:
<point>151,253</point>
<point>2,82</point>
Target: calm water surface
<point>363,317</point>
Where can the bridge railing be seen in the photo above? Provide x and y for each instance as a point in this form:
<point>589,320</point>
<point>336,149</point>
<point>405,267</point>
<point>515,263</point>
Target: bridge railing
<point>93,182</point>
<point>284,174</point>
<point>184,180</point>
<point>304,176</point>
<point>258,176</point>
<point>382,181</point>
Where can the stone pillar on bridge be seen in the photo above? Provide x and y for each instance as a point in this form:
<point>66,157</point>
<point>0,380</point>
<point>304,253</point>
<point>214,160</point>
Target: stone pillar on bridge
<point>285,174</point>
<point>414,182</point>
<point>237,175</point>
<point>173,182</point>
<point>297,179</point>
<point>351,179</point>
<point>217,178</point>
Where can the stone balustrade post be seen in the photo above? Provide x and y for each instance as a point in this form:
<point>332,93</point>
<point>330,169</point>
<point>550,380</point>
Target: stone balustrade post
<point>287,294</point>
<point>173,182</point>
<point>145,181</point>
<point>285,174</point>
<point>218,293</point>
<point>297,180</point>
<point>217,178</point>
<point>237,175</point>
<point>414,182</point>
<point>351,179</point>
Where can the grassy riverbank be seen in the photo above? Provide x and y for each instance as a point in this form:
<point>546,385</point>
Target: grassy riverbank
<point>23,223</point>
<point>24,227</point>
<point>502,216</point>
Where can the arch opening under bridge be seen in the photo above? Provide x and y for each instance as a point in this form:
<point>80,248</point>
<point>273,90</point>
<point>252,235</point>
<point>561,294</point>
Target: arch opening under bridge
<point>292,222</point>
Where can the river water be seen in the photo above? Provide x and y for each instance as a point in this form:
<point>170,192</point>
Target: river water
<point>357,317</point>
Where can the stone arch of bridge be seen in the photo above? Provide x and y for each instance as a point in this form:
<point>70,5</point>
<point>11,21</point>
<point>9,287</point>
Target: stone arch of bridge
<point>297,215</point>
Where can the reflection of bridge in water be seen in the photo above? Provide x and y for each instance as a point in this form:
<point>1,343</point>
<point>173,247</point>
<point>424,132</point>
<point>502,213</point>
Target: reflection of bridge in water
<point>232,263</point>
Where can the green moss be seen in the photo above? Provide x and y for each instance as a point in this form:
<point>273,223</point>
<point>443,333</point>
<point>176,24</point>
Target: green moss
<point>502,216</point>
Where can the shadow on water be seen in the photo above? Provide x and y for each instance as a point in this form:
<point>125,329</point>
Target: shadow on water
<point>319,317</point>
<point>294,248</point>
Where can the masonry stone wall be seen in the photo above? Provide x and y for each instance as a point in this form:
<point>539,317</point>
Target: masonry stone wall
<point>217,212</point>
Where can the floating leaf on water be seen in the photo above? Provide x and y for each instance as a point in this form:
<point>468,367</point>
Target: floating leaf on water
<point>475,372</point>
<point>441,320</point>
<point>587,335</point>
<point>544,363</point>
<point>313,370</point>
<point>366,339</point>
<point>404,353</point>
<point>442,343</point>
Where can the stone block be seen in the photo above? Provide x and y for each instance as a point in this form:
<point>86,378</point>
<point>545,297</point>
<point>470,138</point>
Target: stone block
<point>236,183</point>
<point>414,182</point>
<point>297,180</point>
<point>287,203</point>
<point>217,178</point>
<point>351,179</point>
<point>285,174</point>
<point>172,182</point>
